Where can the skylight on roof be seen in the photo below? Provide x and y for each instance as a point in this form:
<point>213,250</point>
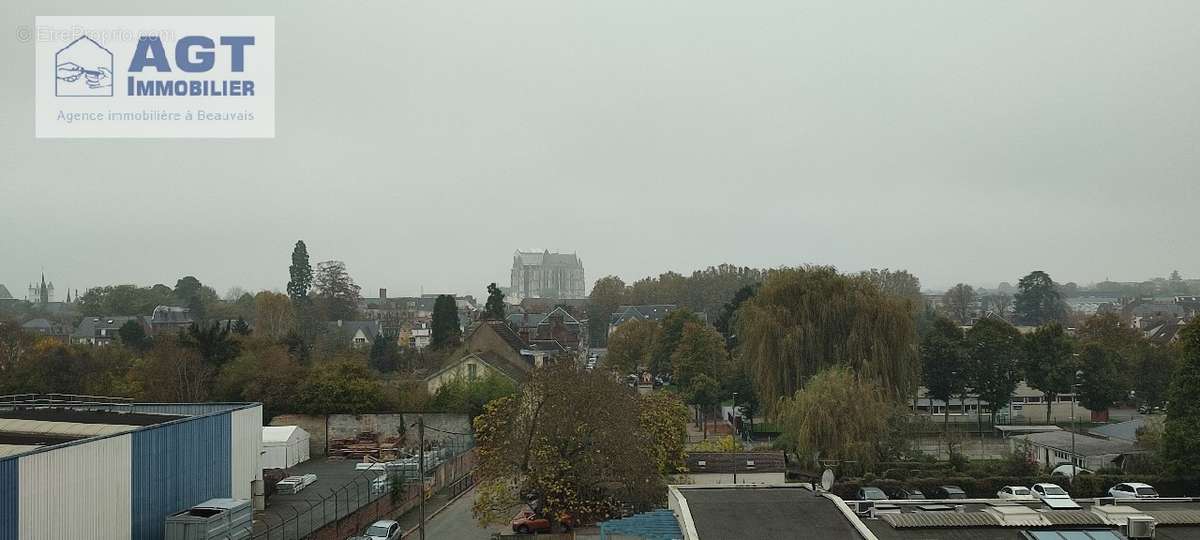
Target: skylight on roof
<point>1073,535</point>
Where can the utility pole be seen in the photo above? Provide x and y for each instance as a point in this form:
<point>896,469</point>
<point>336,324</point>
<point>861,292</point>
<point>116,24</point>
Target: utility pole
<point>735,433</point>
<point>421,469</point>
<point>1074,421</point>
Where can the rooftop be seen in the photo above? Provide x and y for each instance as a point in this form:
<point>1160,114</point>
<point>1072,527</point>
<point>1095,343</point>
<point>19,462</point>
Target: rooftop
<point>1084,445</point>
<point>31,422</point>
<point>779,511</point>
<point>727,462</point>
<point>1007,520</point>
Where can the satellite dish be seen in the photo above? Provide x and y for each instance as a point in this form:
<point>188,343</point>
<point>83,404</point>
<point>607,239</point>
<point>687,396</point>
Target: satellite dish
<point>827,480</point>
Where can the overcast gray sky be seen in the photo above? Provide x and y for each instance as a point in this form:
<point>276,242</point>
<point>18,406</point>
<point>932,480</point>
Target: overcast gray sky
<point>423,141</point>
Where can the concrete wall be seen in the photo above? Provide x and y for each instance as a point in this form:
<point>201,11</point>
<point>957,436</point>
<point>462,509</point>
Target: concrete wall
<point>346,426</point>
<point>742,478</point>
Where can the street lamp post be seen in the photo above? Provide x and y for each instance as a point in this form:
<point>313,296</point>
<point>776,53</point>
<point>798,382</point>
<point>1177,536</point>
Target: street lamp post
<point>1074,419</point>
<point>735,434</point>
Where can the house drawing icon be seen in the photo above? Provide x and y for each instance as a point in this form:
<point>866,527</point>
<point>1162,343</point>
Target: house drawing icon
<point>83,68</point>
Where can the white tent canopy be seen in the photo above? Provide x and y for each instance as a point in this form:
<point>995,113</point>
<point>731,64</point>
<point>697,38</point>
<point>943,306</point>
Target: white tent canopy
<point>284,446</point>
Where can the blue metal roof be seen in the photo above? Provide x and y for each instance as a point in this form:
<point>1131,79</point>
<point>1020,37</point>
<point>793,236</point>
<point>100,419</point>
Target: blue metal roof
<point>655,525</point>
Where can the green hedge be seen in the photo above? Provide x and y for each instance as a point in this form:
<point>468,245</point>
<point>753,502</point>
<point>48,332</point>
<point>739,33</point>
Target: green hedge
<point>1088,485</point>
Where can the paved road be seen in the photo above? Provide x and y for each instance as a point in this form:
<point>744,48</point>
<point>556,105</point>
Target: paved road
<point>457,522</point>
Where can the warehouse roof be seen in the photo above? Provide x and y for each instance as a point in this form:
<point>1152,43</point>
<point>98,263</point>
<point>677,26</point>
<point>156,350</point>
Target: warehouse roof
<point>762,512</point>
<point>31,422</point>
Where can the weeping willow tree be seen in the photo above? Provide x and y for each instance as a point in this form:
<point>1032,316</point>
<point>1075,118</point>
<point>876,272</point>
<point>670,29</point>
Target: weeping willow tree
<point>838,415</point>
<point>806,319</point>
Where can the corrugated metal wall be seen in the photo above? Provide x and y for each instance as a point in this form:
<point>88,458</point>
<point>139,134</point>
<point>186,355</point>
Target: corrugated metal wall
<point>178,466</point>
<point>9,499</point>
<point>246,449</point>
<point>79,491</point>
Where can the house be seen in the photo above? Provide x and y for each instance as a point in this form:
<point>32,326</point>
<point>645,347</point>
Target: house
<point>1164,332</point>
<point>559,325</point>
<point>493,346</point>
<point>47,328</point>
<point>104,330</point>
<point>476,366</point>
<point>171,319</point>
<point>6,297</point>
<point>1054,448</point>
<point>359,333</point>
<point>418,335</point>
<point>735,468</point>
<point>649,312</point>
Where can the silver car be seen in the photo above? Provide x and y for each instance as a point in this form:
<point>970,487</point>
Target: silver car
<point>384,529</point>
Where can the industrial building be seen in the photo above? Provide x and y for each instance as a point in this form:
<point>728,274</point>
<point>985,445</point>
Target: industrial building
<point>74,467</point>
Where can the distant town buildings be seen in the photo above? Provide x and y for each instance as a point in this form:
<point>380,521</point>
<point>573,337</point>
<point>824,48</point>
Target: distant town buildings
<point>547,275</point>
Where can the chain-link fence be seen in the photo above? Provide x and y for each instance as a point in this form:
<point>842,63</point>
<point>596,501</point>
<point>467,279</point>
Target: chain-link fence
<point>380,491</point>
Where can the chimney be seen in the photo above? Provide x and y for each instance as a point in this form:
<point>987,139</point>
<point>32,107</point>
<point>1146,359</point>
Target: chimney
<point>383,294</point>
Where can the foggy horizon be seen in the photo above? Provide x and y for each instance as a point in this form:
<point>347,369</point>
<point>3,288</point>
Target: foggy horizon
<point>962,141</point>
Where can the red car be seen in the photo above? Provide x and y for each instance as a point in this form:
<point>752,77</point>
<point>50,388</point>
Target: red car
<point>526,522</point>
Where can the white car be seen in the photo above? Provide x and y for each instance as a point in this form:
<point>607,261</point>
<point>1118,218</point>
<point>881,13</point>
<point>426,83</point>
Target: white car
<point>384,529</point>
<point>1015,493</point>
<point>1132,490</point>
<point>1049,491</point>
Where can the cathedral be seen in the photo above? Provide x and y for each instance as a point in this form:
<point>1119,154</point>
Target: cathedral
<point>547,275</point>
<point>42,294</point>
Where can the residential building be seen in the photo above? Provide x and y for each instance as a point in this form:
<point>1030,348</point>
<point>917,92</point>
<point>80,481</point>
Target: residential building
<point>171,319</point>
<point>734,468</point>
<point>359,334</point>
<point>558,325</point>
<point>417,334</point>
<point>104,330</point>
<point>48,328</point>
<point>547,274</point>
<point>649,312</point>
<point>496,347</point>
<point>476,366</point>
<point>115,469</point>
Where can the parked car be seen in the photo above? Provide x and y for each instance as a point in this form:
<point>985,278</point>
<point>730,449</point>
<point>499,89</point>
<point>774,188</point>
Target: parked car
<point>384,529</point>
<point>869,493</point>
<point>1067,471</point>
<point>911,494</point>
<point>1132,490</point>
<point>526,522</point>
<point>947,492</point>
<point>1015,493</point>
<point>1049,491</point>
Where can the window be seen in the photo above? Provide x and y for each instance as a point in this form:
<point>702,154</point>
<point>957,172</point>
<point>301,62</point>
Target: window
<point>471,369</point>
